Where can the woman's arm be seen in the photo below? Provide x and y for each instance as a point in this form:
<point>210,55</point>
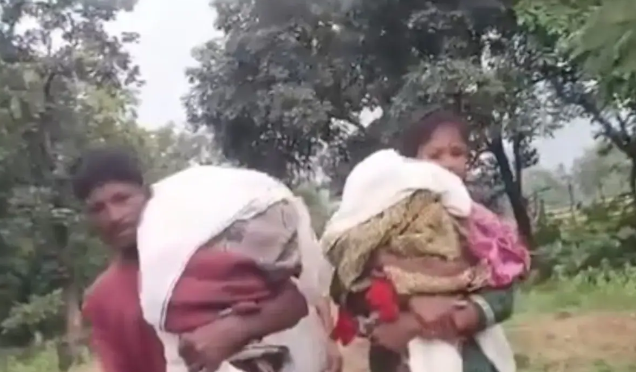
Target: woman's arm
<point>494,305</point>
<point>484,309</point>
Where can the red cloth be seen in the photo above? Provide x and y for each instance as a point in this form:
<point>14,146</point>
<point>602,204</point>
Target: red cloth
<point>121,339</point>
<point>346,328</point>
<point>215,280</point>
<point>381,299</point>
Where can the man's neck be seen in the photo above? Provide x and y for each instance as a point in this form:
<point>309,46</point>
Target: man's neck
<point>129,255</point>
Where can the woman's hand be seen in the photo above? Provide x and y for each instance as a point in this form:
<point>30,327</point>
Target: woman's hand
<point>466,318</point>
<point>462,321</point>
<point>396,335</point>
<point>334,357</point>
<point>459,323</point>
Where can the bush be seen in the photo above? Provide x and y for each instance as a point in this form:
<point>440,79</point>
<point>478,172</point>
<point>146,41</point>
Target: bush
<point>600,236</point>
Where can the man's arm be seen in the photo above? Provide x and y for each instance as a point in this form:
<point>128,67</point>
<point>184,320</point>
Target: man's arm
<point>103,343</point>
<point>323,309</point>
<point>278,314</point>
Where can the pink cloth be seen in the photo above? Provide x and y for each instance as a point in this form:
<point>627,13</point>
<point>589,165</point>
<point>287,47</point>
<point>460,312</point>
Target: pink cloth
<point>497,243</point>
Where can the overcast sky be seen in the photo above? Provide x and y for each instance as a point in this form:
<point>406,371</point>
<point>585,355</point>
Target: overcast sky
<point>169,30</point>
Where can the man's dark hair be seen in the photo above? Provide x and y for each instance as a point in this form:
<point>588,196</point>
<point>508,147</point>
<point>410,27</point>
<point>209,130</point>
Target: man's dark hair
<point>99,166</point>
<point>424,124</point>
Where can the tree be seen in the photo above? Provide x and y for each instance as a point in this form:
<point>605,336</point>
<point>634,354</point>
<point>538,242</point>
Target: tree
<point>547,186</point>
<point>591,43</point>
<point>271,89</point>
<point>64,85</point>
<point>319,203</point>
<point>289,80</point>
<point>601,173</point>
<point>169,149</point>
<point>597,34</point>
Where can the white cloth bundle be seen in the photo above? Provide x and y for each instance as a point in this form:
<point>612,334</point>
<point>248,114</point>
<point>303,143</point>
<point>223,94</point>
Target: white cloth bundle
<point>376,184</point>
<point>189,208</point>
<point>385,178</point>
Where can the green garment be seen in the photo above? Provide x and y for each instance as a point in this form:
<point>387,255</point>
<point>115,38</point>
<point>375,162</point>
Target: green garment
<point>500,302</point>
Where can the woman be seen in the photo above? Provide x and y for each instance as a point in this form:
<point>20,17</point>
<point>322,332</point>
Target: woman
<point>442,137</point>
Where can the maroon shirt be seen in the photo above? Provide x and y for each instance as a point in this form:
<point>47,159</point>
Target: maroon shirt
<point>120,337</point>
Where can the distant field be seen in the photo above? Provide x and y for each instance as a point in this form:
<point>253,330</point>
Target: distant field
<point>568,213</point>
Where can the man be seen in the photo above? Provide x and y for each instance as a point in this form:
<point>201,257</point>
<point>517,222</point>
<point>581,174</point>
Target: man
<point>110,184</point>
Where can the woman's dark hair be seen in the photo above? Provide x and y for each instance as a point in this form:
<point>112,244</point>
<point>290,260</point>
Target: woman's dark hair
<point>103,165</point>
<point>424,124</point>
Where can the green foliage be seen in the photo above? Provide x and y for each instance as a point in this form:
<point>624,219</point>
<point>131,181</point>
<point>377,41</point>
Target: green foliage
<point>38,310</point>
<point>608,38</point>
<point>65,84</point>
<point>599,34</point>
<point>601,173</point>
<point>42,358</point>
<point>600,235</point>
<point>319,203</point>
<point>593,67</point>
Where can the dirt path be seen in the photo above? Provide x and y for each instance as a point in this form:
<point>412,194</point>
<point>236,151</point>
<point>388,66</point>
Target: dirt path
<point>573,342</point>
<point>560,342</point>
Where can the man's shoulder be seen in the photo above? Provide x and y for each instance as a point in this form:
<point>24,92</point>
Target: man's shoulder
<point>98,293</point>
<point>103,280</point>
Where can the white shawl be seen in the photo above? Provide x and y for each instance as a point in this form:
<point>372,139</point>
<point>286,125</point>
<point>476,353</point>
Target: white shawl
<point>189,208</point>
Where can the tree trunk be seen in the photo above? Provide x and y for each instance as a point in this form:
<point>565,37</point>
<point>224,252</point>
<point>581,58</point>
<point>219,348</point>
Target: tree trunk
<point>632,184</point>
<point>572,202</point>
<point>69,350</point>
<point>513,191</point>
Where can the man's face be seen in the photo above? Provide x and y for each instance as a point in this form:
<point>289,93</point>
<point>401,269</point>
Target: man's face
<point>114,210</point>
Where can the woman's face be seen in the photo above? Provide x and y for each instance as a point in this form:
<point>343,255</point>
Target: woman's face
<point>447,148</point>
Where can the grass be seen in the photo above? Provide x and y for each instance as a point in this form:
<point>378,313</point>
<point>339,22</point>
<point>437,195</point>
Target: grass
<point>592,290</point>
<point>44,360</point>
<point>581,324</point>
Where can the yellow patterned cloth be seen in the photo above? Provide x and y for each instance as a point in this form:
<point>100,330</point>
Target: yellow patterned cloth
<point>417,226</point>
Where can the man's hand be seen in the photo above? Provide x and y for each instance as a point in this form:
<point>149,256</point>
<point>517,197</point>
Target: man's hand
<point>334,357</point>
<point>208,346</point>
